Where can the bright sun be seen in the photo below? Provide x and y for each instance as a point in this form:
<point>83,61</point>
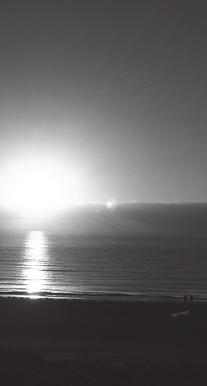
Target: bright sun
<point>39,187</point>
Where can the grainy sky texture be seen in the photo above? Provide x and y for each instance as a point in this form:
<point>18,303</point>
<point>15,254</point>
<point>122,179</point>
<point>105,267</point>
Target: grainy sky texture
<point>117,87</point>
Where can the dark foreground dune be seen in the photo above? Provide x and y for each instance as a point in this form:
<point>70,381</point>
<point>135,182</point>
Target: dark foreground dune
<point>48,342</point>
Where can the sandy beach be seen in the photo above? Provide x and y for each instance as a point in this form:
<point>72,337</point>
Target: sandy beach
<point>49,342</point>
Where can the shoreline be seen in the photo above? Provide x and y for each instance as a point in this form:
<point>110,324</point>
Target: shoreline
<point>113,297</point>
<point>91,316</point>
<point>66,328</point>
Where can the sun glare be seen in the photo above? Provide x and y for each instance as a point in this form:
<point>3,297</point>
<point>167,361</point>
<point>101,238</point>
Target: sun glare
<point>37,188</point>
<point>111,204</point>
<point>35,260</point>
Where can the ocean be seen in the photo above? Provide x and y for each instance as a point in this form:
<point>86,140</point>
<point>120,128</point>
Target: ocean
<point>139,254</point>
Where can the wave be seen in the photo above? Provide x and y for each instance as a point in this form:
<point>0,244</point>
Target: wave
<point>100,296</point>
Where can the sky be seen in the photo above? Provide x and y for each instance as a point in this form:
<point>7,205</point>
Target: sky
<point>118,89</point>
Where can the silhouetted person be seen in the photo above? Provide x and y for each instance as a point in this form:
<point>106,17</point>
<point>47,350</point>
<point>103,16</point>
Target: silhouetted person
<point>185,298</point>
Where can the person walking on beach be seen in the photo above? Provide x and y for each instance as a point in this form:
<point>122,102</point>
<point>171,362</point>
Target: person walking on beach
<point>185,298</point>
<point>188,298</point>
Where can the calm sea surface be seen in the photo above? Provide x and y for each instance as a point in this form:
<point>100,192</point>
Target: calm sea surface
<point>40,263</point>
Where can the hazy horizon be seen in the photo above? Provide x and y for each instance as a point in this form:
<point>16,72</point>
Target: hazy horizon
<point>160,220</point>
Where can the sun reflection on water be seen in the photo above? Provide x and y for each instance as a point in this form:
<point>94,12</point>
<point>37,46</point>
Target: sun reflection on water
<point>35,261</point>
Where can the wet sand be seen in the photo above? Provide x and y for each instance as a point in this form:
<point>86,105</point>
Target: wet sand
<point>106,343</point>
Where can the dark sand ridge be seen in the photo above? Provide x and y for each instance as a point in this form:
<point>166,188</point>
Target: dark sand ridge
<point>108,343</point>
